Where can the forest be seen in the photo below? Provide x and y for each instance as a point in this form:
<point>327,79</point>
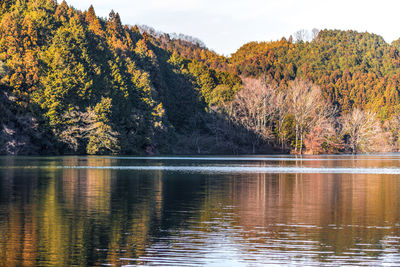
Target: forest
<point>74,83</point>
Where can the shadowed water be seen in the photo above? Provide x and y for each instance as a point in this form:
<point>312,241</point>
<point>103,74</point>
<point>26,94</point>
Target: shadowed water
<point>221,211</point>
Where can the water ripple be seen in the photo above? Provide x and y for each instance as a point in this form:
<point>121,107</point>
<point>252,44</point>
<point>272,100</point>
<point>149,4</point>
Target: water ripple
<point>277,158</point>
<point>236,169</point>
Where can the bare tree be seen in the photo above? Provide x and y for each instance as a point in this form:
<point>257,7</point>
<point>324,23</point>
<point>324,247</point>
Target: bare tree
<point>392,130</point>
<point>324,136</point>
<point>159,34</point>
<point>281,114</point>
<point>253,108</point>
<point>309,109</point>
<point>263,109</point>
<point>314,33</point>
<point>363,130</point>
<point>301,35</point>
<point>85,132</point>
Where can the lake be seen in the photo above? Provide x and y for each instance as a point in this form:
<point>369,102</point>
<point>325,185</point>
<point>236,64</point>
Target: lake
<point>214,211</point>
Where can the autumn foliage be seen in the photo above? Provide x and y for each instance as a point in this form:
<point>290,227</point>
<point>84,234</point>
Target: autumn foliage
<point>72,82</point>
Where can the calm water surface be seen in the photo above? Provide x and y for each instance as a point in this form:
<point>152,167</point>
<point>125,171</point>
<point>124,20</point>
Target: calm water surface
<point>214,211</point>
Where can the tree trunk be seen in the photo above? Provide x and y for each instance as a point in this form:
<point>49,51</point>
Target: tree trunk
<point>301,144</point>
<point>297,138</point>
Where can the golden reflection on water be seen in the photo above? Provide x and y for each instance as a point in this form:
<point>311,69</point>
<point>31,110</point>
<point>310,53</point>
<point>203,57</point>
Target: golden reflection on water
<point>62,217</point>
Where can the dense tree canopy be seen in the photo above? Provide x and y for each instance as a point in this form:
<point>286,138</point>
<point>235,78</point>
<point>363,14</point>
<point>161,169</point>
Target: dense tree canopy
<point>353,69</point>
<point>98,86</point>
<point>72,82</point>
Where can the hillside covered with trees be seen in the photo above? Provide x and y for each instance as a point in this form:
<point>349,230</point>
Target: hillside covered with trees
<point>74,83</point>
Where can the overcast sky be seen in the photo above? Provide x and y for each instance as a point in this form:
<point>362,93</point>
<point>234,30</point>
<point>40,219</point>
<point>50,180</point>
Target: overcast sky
<point>225,25</point>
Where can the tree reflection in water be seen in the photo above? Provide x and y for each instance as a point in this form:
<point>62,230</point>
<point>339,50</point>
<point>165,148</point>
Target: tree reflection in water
<point>60,217</point>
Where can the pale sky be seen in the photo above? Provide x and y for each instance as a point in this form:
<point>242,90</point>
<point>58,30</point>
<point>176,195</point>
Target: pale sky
<point>225,25</point>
